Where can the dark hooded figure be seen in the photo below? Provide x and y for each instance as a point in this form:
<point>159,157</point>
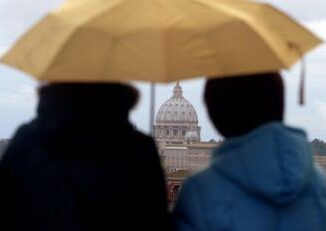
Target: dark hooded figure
<point>81,165</point>
<point>262,178</point>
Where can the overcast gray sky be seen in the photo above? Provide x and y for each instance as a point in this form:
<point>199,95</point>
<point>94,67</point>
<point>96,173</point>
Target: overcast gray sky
<point>17,90</point>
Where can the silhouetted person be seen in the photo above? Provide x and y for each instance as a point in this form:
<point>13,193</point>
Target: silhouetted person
<point>262,178</point>
<point>80,165</point>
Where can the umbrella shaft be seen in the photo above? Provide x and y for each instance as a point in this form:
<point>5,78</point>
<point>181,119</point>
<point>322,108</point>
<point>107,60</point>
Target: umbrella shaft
<point>152,109</point>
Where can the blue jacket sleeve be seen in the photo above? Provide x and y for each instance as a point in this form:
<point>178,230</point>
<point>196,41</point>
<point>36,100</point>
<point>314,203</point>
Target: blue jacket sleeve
<point>188,214</point>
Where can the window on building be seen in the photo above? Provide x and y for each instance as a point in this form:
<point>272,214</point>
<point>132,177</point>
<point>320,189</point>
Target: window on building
<point>175,132</point>
<point>167,132</point>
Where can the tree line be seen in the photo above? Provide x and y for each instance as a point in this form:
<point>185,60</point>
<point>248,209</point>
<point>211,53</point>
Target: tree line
<point>319,147</point>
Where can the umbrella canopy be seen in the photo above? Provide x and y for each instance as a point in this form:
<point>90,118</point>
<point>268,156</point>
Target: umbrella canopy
<point>159,40</point>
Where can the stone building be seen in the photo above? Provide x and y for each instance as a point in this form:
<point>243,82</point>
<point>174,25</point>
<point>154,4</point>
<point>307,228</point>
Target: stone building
<point>321,161</point>
<point>176,121</point>
<point>191,157</point>
<point>177,135</point>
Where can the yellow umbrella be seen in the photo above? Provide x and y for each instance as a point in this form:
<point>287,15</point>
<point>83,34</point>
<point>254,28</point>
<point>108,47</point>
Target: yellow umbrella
<point>159,40</point>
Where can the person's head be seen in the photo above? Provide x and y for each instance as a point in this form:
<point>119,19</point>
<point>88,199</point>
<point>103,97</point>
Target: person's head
<point>107,99</point>
<point>237,105</point>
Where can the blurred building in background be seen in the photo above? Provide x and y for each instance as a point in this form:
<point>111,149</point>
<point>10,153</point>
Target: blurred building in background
<point>177,135</point>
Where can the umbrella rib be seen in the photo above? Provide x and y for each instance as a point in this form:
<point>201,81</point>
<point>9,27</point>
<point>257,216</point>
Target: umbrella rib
<point>71,34</point>
<point>300,53</point>
<point>101,12</point>
<point>243,18</point>
<point>239,19</point>
<point>57,53</point>
<point>265,41</point>
<point>165,38</point>
<point>191,19</point>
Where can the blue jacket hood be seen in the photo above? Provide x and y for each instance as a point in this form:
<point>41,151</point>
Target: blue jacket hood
<point>273,162</point>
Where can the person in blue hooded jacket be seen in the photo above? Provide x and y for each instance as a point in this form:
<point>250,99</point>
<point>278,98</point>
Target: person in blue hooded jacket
<point>262,178</point>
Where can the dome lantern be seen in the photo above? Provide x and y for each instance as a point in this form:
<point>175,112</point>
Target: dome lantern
<point>177,91</point>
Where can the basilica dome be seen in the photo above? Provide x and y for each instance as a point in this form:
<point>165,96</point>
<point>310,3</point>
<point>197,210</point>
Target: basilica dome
<point>177,110</point>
